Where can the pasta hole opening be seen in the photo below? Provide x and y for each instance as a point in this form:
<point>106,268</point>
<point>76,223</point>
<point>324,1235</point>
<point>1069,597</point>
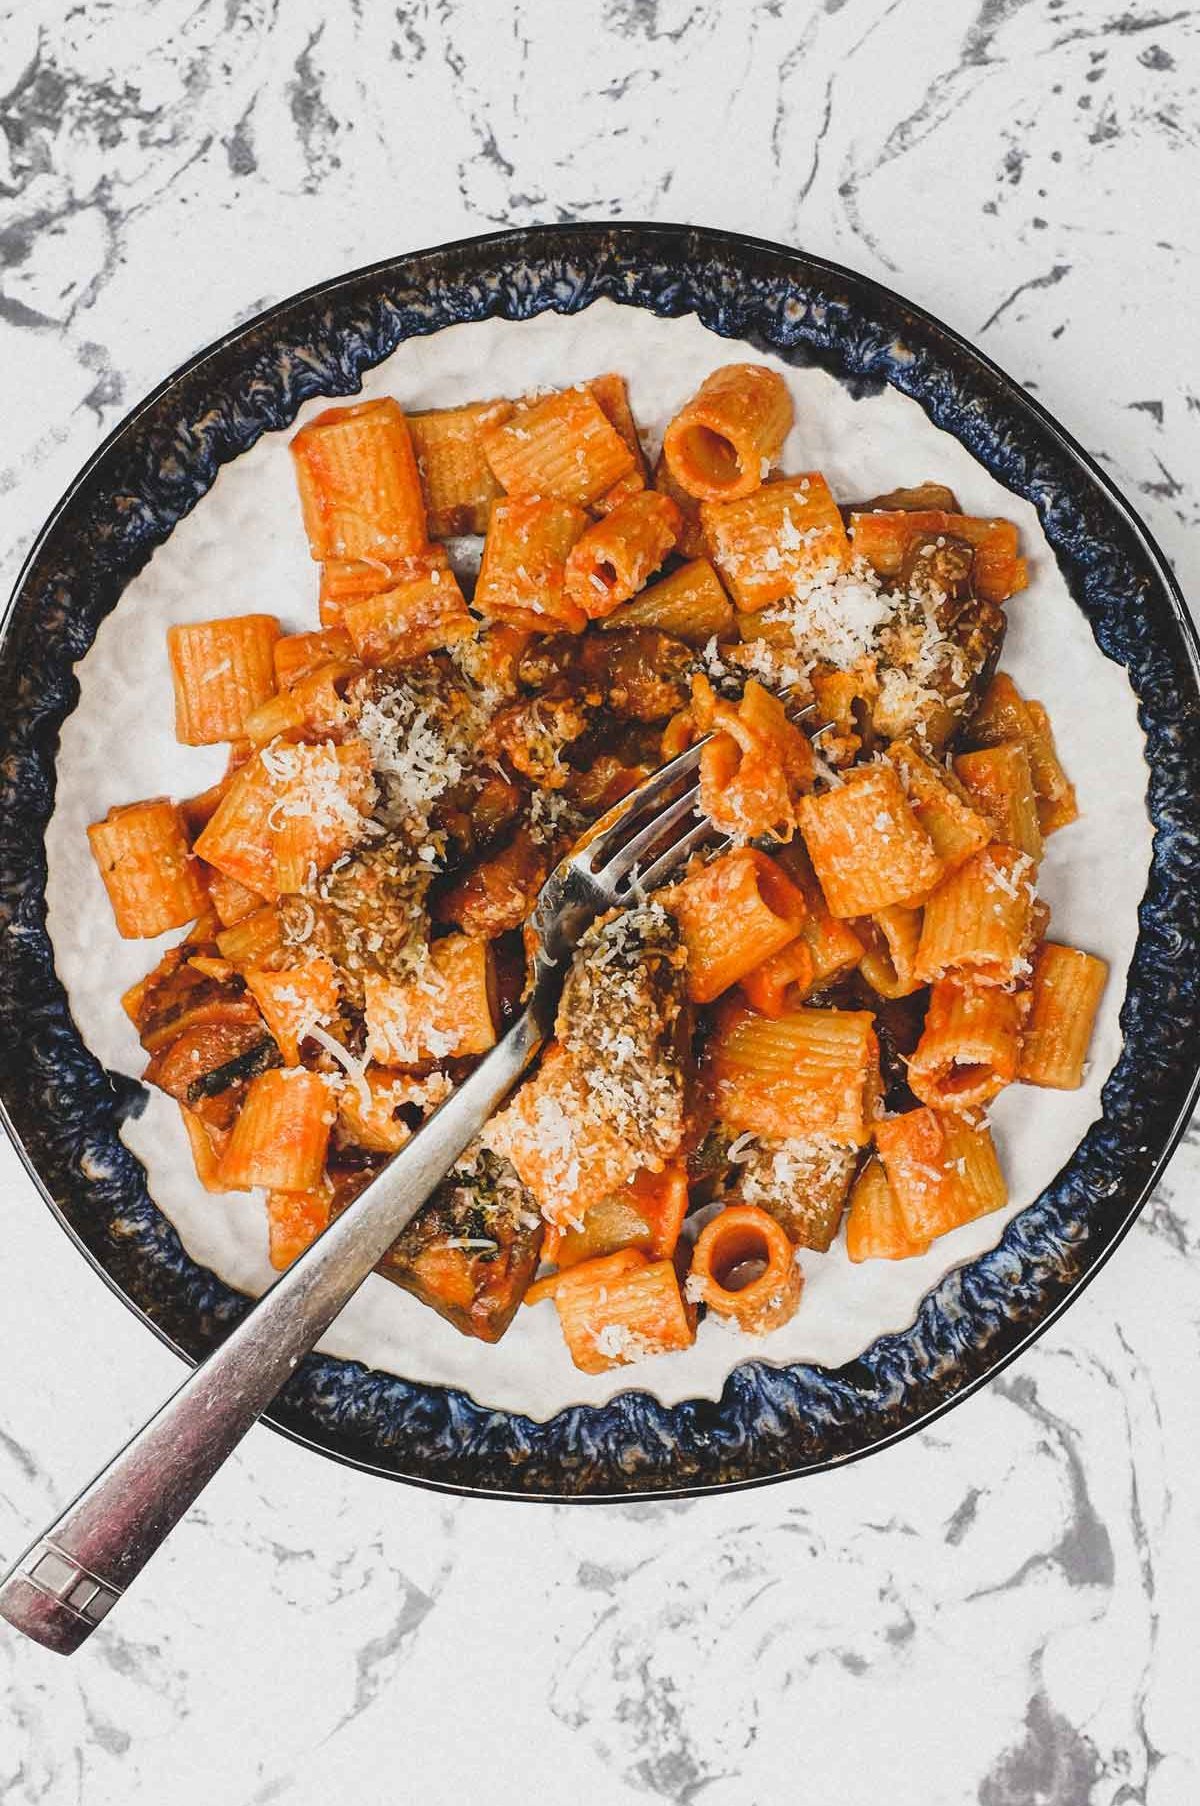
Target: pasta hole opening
<point>738,1258</point>
<point>709,458</point>
<point>606,573</point>
<point>879,955</point>
<point>720,761</point>
<point>964,1079</point>
<point>777,892</point>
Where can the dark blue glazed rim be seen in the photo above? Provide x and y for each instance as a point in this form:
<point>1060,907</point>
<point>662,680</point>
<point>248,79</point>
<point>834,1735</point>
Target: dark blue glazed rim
<point>63,1109</point>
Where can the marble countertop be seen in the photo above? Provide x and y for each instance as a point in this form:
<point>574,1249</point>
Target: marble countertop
<point>1000,1610</point>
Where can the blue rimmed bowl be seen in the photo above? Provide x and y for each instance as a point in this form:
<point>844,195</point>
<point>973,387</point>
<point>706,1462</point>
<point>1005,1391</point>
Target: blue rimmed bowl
<point>65,1110</point>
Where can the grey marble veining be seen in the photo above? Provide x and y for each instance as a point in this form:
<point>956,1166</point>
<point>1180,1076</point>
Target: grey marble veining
<point>1000,1611</point>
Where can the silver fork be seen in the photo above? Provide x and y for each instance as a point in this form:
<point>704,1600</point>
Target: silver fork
<point>70,1578</point>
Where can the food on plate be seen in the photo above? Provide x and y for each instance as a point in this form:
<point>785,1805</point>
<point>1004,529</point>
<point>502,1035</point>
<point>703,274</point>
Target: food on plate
<point>785,1054</point>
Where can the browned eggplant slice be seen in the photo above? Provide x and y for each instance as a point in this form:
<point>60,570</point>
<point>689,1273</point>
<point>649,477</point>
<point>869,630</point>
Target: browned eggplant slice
<point>472,1251</point>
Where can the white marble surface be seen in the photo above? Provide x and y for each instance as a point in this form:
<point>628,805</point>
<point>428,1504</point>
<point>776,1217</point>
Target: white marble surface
<point>1003,1610</point>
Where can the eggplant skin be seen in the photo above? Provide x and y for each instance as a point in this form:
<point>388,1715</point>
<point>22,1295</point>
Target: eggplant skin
<point>920,499</point>
<point>209,1067</point>
<point>477,1289</point>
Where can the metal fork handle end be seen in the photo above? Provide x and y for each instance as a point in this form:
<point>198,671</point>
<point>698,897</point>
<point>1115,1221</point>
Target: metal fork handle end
<point>54,1600</point>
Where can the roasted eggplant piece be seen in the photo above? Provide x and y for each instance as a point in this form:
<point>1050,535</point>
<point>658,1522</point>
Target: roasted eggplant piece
<point>648,673</point>
<point>803,1184</point>
<point>920,499</point>
<point>707,1162</point>
<point>206,1039</point>
<point>637,673</point>
<point>624,1021</point>
<point>496,895</point>
<point>533,736</point>
<point>471,1252</point>
<point>938,655</point>
<point>209,1067</point>
<point>186,999</point>
<point>367,913</point>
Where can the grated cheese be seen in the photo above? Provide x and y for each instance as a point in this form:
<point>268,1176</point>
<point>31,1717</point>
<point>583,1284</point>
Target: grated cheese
<point>834,615</point>
<point>355,1070</point>
<point>555,1137</point>
<point>617,1342</point>
<point>794,1170</point>
<point>1011,883</point>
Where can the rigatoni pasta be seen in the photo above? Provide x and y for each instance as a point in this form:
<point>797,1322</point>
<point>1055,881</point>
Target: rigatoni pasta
<point>866,845</point>
<point>876,1227</point>
<point>282,1132</point>
<point>733,914</point>
<point>612,1318</point>
<point>766,543</point>
<point>420,614</point>
<point>360,491</point>
<point>969,1046</point>
<point>612,560</point>
<point>523,578</point>
<point>744,1268</point>
<point>942,1170</point>
<point>979,920</point>
<point>1004,715</point>
<point>563,446</point>
<point>298,655</point>
<point>142,854</point>
<point>447,1010</point>
<point>722,444</point>
<point>1065,994</point>
<point>755,765</point>
<point>833,945</point>
<point>457,484</point>
<point>690,604</point>
<point>891,938</point>
<point>807,1072</point>
<point>222,671</point>
<point>946,806</point>
<point>294,1001</point>
<point>1000,782</point>
<point>612,393</point>
<point>294,1221</point>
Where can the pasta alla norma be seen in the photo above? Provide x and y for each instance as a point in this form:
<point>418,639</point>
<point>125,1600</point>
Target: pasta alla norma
<point>790,1047</point>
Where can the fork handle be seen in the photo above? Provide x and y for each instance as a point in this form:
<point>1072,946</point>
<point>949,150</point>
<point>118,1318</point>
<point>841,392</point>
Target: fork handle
<point>70,1578</point>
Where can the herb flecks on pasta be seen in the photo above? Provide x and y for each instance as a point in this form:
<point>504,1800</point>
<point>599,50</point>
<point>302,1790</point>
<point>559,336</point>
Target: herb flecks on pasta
<point>800,1033</point>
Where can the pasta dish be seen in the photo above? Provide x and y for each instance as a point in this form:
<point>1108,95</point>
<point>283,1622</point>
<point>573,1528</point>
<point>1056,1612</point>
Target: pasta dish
<point>521,614</point>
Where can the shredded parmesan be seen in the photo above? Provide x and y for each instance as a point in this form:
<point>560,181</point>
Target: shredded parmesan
<point>421,733</point>
<point>1011,883</point>
<point>554,1133</point>
<point>617,1342</point>
<point>834,616</point>
<point>355,1070</point>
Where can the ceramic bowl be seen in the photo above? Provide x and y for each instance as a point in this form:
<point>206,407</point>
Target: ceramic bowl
<point>65,1110</point>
